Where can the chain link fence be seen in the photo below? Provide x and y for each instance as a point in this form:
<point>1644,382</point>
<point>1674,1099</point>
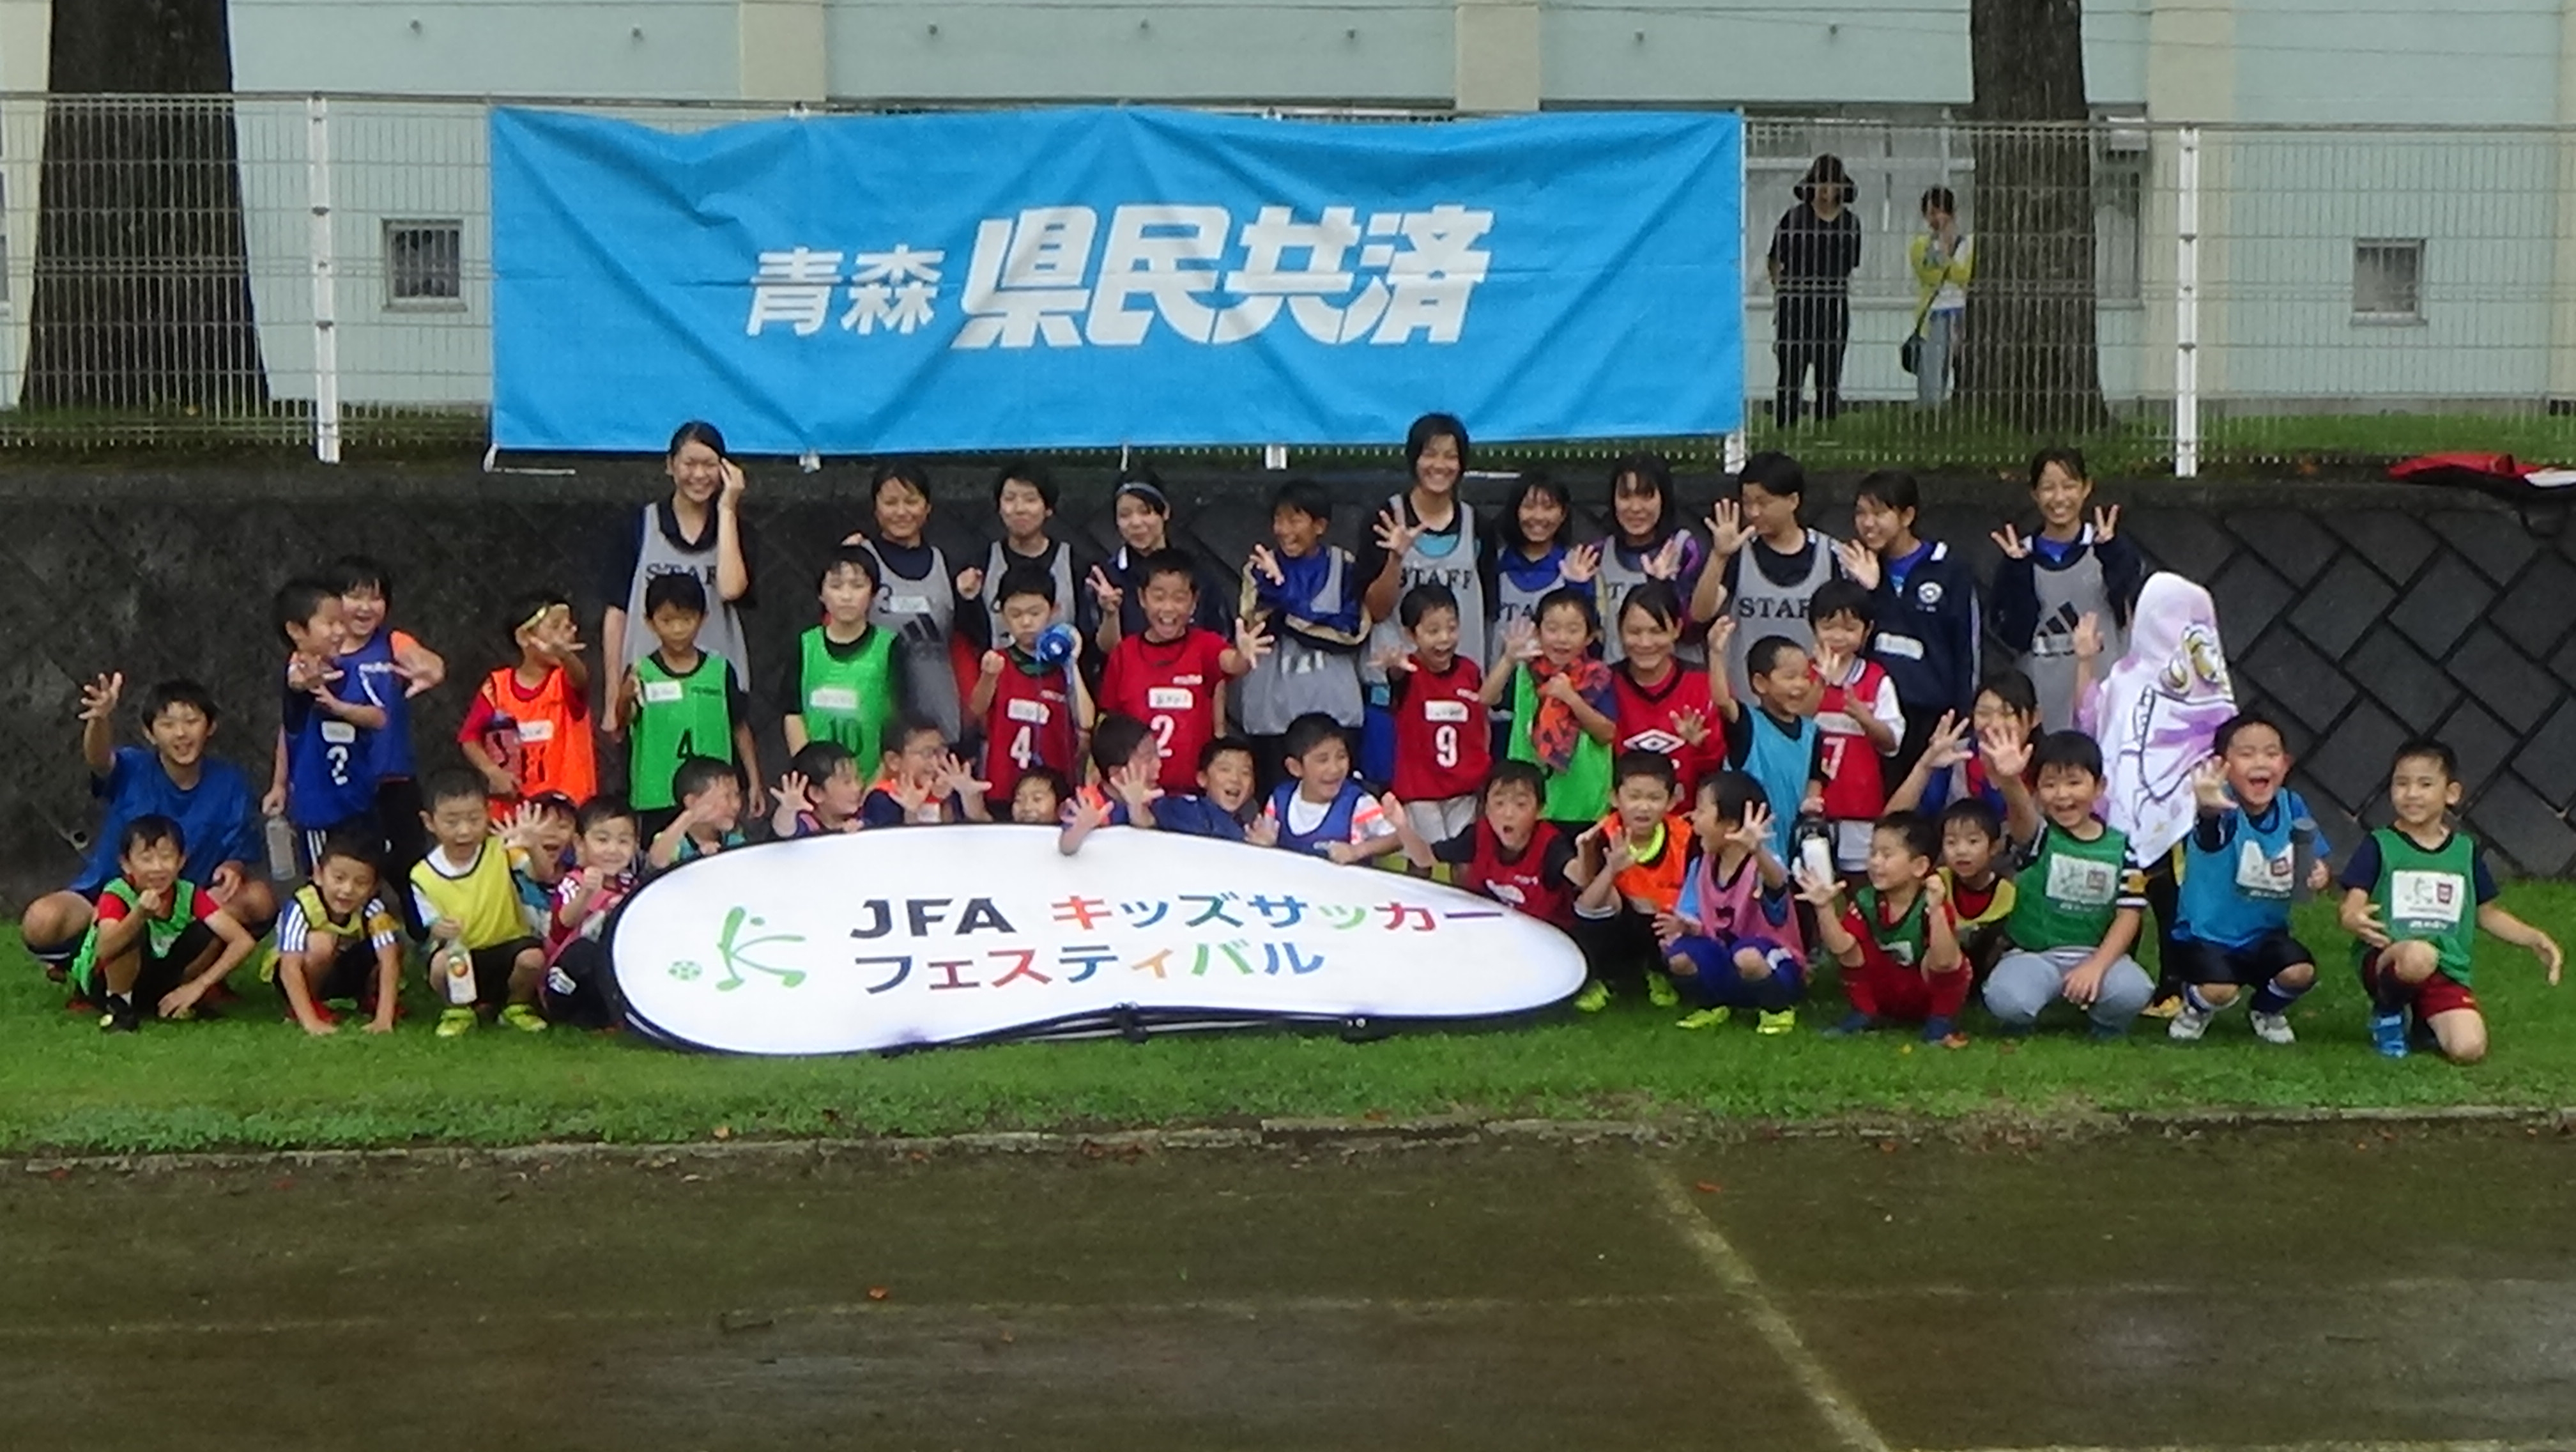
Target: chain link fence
<point>266,271</point>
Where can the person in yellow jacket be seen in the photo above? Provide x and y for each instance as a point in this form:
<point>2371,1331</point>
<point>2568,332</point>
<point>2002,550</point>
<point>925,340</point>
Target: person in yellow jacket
<point>1944,258</point>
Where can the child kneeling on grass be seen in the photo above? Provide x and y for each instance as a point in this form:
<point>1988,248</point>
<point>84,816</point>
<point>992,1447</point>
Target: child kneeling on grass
<point>2408,894</point>
<point>157,940</point>
<point>2078,897</point>
<point>1732,941</point>
<point>1629,868</point>
<point>337,940</point>
<point>1322,808</point>
<point>709,816</point>
<point>2238,875</point>
<point>481,952</point>
<point>1897,942</point>
<point>578,988</point>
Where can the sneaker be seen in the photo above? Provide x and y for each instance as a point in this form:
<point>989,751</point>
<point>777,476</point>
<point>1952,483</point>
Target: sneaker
<point>2190,1024</point>
<point>2165,1007</point>
<point>455,1021</point>
<point>1706,1018</point>
<point>120,1016</point>
<point>525,1018</point>
<point>2388,1031</point>
<point>1776,1021</point>
<point>1854,1022</point>
<point>1594,997</point>
<point>1660,991</point>
<point>2272,1028</point>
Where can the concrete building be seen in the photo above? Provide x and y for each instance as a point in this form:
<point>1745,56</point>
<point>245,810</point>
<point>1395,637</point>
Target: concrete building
<point>2399,266</point>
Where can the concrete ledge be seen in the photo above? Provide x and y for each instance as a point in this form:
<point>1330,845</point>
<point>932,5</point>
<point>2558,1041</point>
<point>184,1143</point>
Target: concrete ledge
<point>1356,1135</point>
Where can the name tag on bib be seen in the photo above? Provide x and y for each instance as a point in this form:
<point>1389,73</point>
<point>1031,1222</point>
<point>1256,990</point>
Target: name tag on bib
<point>1446,711</point>
<point>659,693</point>
<point>833,698</point>
<point>540,729</point>
<point>2427,897</point>
<point>1023,709</point>
<point>339,733</point>
<point>1169,698</point>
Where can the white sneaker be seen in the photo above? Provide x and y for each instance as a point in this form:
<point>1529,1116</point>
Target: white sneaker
<point>2272,1028</point>
<point>2190,1023</point>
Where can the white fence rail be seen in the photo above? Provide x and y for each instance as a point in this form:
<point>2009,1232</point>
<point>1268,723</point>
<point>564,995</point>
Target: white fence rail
<point>316,271</point>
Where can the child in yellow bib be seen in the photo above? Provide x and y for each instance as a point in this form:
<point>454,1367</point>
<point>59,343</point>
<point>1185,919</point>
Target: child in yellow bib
<point>481,953</point>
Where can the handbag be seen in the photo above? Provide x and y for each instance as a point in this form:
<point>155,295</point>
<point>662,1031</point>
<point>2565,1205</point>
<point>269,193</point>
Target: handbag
<point>1909,354</point>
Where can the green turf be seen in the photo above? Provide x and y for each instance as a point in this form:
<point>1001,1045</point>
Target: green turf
<point>255,1081</point>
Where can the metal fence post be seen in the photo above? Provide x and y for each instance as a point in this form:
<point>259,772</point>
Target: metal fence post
<point>320,247</point>
<point>2187,304</point>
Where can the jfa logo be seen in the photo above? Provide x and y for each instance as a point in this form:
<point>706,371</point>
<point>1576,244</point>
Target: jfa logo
<point>1032,281</point>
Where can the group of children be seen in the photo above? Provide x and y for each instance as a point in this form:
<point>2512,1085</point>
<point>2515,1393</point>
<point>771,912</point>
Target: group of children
<point>1716,764</point>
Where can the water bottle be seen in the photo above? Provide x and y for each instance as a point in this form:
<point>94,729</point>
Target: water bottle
<point>1813,837</point>
<point>2303,857</point>
<point>281,851</point>
<point>456,972</point>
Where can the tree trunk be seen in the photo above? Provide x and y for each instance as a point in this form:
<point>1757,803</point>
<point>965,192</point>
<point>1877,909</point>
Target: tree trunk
<point>2031,358</point>
<point>142,279</point>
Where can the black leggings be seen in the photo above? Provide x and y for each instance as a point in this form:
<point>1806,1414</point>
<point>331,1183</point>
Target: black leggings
<point>1810,331</point>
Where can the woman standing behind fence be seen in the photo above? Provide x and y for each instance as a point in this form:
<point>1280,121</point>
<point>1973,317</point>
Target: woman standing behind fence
<point>697,531</point>
<point>1943,258</point>
<point>1813,253</point>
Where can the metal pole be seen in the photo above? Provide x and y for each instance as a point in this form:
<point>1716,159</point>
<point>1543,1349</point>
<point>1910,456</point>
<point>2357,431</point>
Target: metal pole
<point>1738,445</point>
<point>326,337</point>
<point>2187,305</point>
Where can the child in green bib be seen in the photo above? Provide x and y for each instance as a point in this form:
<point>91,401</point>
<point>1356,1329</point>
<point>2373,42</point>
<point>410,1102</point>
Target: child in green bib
<point>848,686</point>
<point>681,702</point>
<point>2078,897</point>
<point>2415,895</point>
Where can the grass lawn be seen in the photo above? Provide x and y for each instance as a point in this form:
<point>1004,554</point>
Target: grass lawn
<point>254,1081</point>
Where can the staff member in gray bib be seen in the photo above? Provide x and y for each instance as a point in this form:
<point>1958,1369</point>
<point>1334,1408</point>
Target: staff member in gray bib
<point>697,531</point>
<point>2049,582</point>
<point>1426,535</point>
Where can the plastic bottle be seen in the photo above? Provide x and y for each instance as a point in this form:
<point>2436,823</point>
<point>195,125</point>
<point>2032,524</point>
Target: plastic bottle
<point>2303,857</point>
<point>281,851</point>
<point>456,972</point>
<point>1813,837</point>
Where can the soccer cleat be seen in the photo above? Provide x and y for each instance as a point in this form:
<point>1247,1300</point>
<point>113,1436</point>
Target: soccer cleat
<point>1854,1022</point>
<point>1706,1018</point>
<point>524,1017</point>
<point>1776,1021</point>
<point>120,1017</point>
<point>455,1022</point>
<point>2388,1032</point>
<point>2272,1028</point>
<point>2190,1024</point>
<point>1659,989</point>
<point>1594,997</point>
<point>2165,1007</point>
<point>1938,1030</point>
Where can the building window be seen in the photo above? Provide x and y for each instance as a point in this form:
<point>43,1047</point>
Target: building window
<point>424,264</point>
<point>2387,280</point>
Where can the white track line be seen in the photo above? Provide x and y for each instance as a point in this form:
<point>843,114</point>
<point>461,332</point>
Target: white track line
<point>1736,1274</point>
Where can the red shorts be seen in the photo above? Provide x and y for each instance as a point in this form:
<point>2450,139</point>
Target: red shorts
<point>1883,988</point>
<point>2436,995</point>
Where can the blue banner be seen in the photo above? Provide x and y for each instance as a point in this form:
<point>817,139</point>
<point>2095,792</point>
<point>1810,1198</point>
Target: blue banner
<point>1070,278</point>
